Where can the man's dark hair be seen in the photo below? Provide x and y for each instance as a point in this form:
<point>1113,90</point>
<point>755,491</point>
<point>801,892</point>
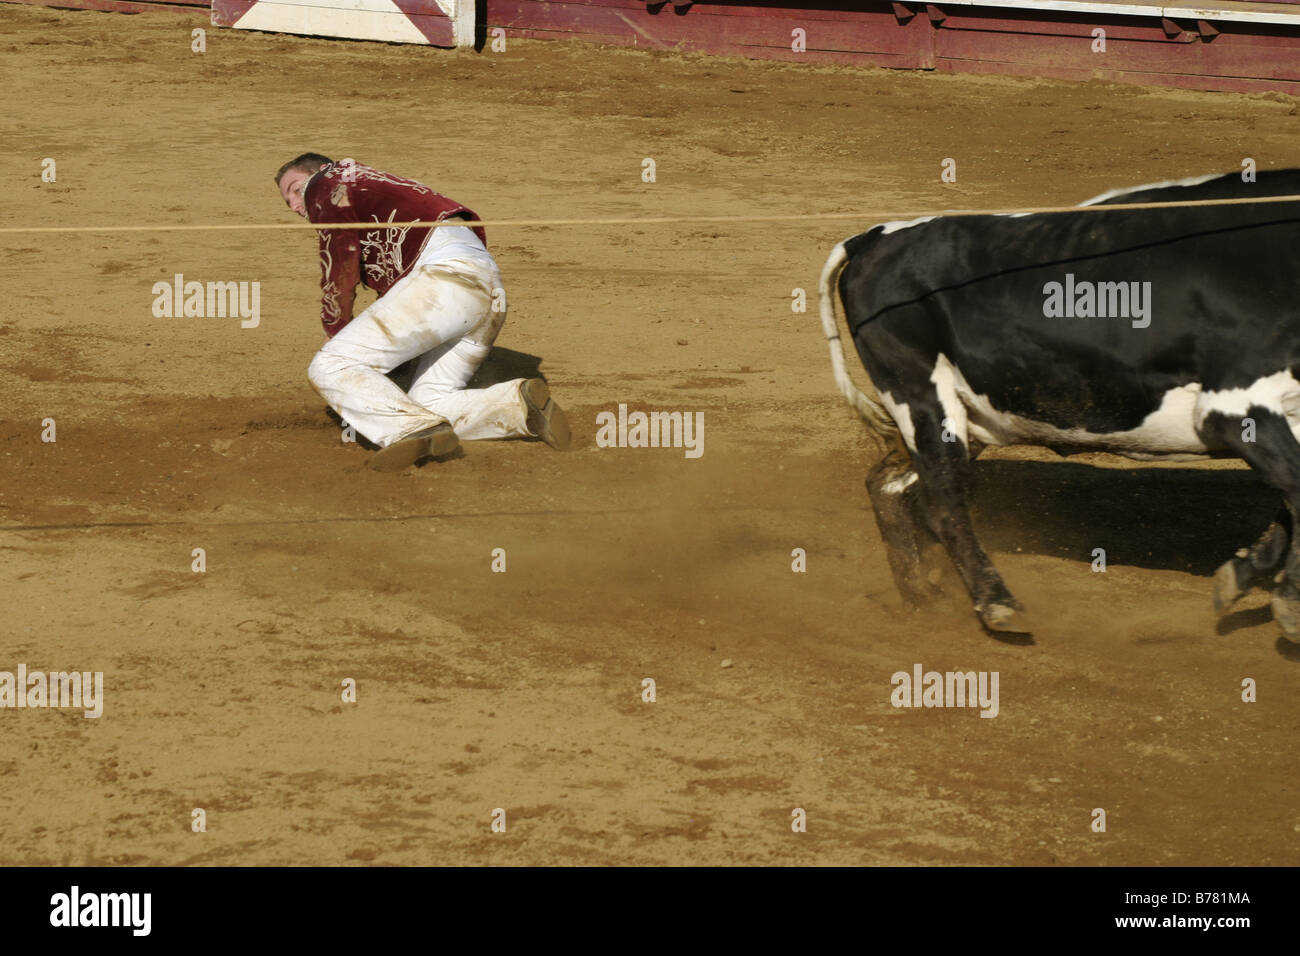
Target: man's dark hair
<point>307,163</point>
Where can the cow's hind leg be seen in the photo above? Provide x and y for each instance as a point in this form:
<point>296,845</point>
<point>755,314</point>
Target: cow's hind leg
<point>1253,566</point>
<point>1275,454</point>
<point>943,467</point>
<point>895,499</point>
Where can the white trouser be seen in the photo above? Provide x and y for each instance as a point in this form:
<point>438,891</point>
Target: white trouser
<point>440,313</point>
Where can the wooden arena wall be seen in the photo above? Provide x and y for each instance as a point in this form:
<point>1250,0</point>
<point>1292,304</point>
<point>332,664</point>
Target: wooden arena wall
<point>1223,45</point>
<point>118,6</point>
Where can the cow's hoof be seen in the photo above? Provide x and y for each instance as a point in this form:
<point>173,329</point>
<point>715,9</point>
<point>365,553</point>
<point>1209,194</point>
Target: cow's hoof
<point>1226,588</point>
<point>1286,611</point>
<point>1003,619</point>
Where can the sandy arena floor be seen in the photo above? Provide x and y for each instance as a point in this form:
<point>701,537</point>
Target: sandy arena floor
<point>522,690</point>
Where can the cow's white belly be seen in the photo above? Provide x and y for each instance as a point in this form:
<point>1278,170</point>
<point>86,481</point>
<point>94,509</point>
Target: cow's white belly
<point>1168,432</point>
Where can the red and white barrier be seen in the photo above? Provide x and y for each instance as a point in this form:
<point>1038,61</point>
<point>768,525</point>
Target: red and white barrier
<point>431,22</point>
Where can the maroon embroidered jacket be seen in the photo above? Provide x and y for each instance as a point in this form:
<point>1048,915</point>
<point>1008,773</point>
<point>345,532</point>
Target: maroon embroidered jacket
<point>347,191</point>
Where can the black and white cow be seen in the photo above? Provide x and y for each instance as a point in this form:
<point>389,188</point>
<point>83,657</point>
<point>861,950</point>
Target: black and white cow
<point>1156,333</point>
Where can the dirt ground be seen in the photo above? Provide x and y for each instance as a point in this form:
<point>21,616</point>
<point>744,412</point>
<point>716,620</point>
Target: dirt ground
<point>523,690</point>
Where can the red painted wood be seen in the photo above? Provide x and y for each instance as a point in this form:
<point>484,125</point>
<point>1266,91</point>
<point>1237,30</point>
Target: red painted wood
<point>437,29</point>
<point>875,33</point>
<point>1222,55</point>
<point>429,20</point>
<point>821,9</point>
<point>118,6</point>
<point>226,13</point>
<point>839,10</point>
<point>995,21</point>
<point>980,39</point>
<point>1238,58</point>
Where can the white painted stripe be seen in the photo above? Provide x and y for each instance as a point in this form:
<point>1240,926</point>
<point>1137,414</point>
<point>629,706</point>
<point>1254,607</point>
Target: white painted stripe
<point>357,19</point>
<point>1239,12</point>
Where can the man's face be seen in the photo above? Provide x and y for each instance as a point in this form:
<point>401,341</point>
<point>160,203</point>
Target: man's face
<point>292,184</point>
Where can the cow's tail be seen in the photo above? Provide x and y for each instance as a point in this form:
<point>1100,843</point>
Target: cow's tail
<point>872,412</point>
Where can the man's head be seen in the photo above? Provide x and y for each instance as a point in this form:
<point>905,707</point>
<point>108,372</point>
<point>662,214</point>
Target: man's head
<point>292,177</point>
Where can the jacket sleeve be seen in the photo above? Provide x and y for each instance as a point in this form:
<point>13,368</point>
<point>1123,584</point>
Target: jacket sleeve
<point>340,264</point>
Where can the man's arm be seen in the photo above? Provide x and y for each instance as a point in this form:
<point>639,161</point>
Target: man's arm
<point>340,262</point>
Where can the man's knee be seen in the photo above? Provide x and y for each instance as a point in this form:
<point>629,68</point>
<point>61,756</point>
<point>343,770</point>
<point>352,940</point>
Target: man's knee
<point>323,368</point>
<point>487,330</point>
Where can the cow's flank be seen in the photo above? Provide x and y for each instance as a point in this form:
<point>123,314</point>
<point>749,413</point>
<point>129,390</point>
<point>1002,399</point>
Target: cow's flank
<point>1167,333</point>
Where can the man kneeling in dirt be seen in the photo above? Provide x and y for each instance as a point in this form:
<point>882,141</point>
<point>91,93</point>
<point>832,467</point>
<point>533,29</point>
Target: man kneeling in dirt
<point>436,287</point>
